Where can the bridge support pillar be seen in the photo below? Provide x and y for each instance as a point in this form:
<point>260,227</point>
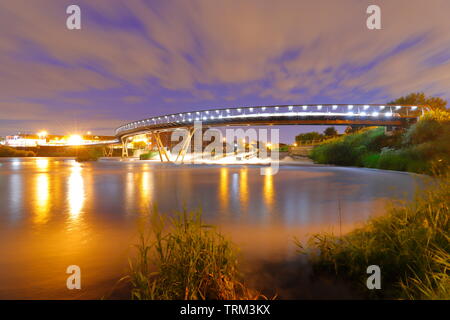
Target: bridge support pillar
<point>107,151</point>
<point>185,146</point>
<point>124,147</point>
<point>162,151</point>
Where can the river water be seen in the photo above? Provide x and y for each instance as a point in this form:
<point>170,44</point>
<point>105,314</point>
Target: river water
<point>56,212</point>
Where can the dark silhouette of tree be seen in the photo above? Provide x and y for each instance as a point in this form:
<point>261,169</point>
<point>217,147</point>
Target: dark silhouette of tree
<point>419,98</point>
<point>353,129</point>
<point>309,136</point>
<point>330,132</point>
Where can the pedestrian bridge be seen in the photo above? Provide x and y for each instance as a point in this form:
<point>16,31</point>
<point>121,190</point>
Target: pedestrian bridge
<point>318,114</point>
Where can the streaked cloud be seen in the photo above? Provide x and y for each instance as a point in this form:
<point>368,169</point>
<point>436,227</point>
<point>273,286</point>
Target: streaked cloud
<point>136,58</point>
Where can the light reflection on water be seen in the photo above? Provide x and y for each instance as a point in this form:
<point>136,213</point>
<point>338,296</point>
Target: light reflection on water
<point>57,212</point>
<point>42,198</point>
<point>75,194</point>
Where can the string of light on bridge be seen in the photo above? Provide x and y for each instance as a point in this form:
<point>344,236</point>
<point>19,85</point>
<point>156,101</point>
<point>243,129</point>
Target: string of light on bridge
<point>287,111</point>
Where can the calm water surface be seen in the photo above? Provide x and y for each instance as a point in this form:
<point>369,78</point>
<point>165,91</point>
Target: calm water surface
<point>56,212</point>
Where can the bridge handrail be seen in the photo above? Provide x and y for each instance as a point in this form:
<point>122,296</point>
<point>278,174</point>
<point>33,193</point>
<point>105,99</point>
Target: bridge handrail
<point>350,110</point>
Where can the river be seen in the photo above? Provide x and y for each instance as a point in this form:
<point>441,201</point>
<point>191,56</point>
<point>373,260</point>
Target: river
<point>56,212</point>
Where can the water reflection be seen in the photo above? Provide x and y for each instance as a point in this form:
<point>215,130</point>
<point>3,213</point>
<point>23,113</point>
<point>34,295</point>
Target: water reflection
<point>243,187</point>
<point>268,192</point>
<point>15,164</point>
<point>42,163</point>
<point>223,188</point>
<point>146,190</point>
<point>76,194</point>
<point>15,196</point>
<point>129,192</point>
<point>42,194</point>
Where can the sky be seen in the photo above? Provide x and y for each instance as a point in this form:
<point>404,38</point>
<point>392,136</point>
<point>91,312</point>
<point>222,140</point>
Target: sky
<point>136,59</point>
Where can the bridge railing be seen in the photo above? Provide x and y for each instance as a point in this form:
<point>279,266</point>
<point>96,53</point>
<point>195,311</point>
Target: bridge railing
<point>260,112</point>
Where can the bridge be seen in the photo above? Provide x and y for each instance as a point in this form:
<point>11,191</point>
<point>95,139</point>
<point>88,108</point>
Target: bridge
<point>317,114</point>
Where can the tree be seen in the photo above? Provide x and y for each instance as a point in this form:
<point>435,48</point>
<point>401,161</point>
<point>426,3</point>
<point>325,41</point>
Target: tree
<point>351,129</point>
<point>419,98</point>
<point>330,132</point>
<point>309,136</point>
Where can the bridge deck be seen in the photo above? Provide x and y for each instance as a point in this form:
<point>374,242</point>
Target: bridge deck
<point>367,115</point>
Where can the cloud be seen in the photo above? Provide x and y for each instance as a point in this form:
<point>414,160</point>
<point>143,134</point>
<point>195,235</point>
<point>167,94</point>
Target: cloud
<point>132,58</point>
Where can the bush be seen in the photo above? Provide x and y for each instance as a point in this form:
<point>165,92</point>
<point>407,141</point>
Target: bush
<point>309,136</point>
<point>410,244</point>
<point>330,132</point>
<point>6,151</point>
<point>149,155</point>
<point>370,160</point>
<point>350,149</point>
<point>393,160</point>
<point>423,131</point>
<point>89,154</point>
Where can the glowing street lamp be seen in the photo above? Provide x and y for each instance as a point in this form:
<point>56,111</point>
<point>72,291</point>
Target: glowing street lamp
<point>42,134</point>
<point>75,139</point>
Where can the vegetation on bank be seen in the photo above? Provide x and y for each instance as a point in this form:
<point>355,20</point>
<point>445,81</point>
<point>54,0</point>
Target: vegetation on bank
<point>149,155</point>
<point>6,151</point>
<point>419,98</point>
<point>182,258</point>
<point>328,133</point>
<point>89,154</point>
<point>411,245</point>
<point>422,146</point>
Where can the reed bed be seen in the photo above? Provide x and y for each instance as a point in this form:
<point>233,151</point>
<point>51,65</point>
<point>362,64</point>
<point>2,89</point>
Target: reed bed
<point>411,244</point>
<point>182,258</point>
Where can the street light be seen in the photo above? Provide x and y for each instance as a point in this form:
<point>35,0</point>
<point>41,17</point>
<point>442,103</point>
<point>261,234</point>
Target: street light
<point>75,139</point>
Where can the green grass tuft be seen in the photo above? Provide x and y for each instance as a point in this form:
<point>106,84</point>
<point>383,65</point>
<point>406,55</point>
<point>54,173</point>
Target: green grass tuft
<point>182,258</point>
<point>411,244</point>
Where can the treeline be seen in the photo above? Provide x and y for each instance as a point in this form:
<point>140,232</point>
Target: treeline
<point>316,136</point>
<point>410,244</point>
<point>83,152</point>
<point>6,151</point>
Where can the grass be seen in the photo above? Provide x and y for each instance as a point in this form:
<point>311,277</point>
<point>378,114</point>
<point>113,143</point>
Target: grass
<point>411,244</point>
<point>182,258</point>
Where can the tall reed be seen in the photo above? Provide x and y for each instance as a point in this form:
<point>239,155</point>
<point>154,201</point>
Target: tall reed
<point>182,258</point>
<point>411,244</point>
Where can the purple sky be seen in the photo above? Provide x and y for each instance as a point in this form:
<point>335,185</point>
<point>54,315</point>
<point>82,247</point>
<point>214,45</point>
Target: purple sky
<point>135,59</point>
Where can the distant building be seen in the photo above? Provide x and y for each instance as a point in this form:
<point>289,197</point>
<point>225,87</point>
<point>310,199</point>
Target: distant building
<point>35,140</point>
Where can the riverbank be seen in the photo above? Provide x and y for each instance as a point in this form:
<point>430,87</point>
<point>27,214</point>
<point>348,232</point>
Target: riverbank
<point>7,152</point>
<point>409,245</point>
<point>422,148</point>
